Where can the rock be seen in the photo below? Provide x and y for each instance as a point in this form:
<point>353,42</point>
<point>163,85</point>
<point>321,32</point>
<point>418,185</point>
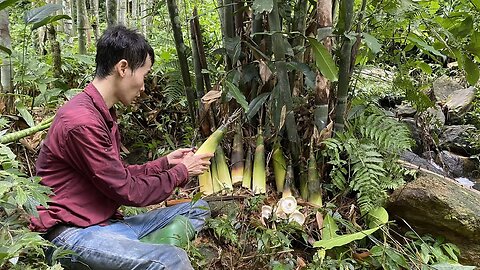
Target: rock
<point>457,166</point>
<point>443,87</point>
<point>405,110</point>
<point>440,206</point>
<point>421,162</point>
<point>415,131</point>
<point>459,138</point>
<point>435,117</point>
<point>458,104</point>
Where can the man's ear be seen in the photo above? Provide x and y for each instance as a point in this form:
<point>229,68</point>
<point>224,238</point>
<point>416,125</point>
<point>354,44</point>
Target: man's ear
<point>121,67</point>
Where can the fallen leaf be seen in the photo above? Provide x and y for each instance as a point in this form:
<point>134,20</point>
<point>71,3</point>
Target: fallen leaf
<point>211,96</point>
<point>319,218</point>
<point>265,72</point>
<point>300,263</point>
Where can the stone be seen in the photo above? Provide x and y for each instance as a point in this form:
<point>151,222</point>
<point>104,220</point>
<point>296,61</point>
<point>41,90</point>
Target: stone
<point>443,87</point>
<point>457,165</point>
<point>439,206</point>
<point>458,104</point>
<point>420,162</point>
<point>458,139</point>
<point>405,110</point>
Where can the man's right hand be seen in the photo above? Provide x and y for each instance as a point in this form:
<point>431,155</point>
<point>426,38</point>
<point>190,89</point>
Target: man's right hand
<point>197,164</point>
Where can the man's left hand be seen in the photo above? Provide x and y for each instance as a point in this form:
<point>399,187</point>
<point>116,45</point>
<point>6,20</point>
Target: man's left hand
<point>178,155</point>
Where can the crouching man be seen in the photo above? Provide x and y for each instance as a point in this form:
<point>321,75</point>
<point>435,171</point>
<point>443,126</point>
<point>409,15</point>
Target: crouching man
<point>80,161</point>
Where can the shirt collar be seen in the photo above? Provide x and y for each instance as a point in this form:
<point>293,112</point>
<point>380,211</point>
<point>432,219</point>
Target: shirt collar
<point>99,103</point>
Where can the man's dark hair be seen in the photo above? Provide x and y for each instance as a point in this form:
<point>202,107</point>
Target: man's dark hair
<point>119,43</point>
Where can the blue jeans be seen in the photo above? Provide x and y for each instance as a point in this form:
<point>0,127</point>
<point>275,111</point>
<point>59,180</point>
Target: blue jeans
<point>117,245</point>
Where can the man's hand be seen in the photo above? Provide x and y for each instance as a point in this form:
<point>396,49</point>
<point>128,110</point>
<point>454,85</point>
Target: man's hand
<point>197,164</point>
<point>178,155</point>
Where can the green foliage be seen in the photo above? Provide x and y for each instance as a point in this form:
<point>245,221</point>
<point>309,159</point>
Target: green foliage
<point>363,157</point>
<point>224,228</point>
<point>19,196</point>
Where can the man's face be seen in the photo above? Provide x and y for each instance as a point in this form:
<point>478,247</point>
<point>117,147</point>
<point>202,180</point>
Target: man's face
<point>133,82</point>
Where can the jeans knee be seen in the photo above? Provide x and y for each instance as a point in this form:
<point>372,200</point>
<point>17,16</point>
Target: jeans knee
<point>176,258</point>
<point>202,207</point>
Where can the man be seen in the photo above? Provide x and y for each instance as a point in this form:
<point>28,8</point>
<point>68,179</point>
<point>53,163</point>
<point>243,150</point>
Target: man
<point>80,161</point>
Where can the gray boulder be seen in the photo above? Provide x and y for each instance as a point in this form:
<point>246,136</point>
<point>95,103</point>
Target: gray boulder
<point>443,87</point>
<point>458,104</point>
<point>460,139</point>
<point>440,206</point>
<point>458,166</point>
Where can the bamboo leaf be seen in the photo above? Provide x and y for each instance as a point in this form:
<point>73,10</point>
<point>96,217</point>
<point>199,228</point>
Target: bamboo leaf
<point>237,94</point>
<point>233,47</point>
<point>329,228</point>
<point>474,46</point>
<point>38,14</point>
<point>49,19</point>
<point>256,104</point>
<point>343,239</point>
<point>471,70</point>
<point>372,43</point>
<point>476,4</point>
<point>7,3</point>
<point>24,113</point>
<point>377,217</point>
<point>423,45</point>
<point>260,6</point>
<point>324,60</point>
<point>5,50</point>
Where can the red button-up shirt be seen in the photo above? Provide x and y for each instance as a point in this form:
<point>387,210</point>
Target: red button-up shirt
<point>80,161</point>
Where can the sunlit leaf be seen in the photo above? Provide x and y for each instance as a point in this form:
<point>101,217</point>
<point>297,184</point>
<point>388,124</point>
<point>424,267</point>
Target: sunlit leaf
<point>260,6</point>
<point>7,3</point>
<point>24,113</point>
<point>38,14</point>
<point>471,70</point>
<point>256,104</point>
<point>424,67</point>
<point>324,60</point>
<point>372,43</point>
<point>343,239</point>
<point>377,216</point>
<point>329,228</point>
<point>463,28</point>
<point>49,19</point>
<point>476,4</point>
<point>237,94</point>
<point>423,45</point>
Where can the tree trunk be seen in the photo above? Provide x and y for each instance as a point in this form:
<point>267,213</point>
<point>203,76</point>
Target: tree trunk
<point>134,13</point>
<point>344,26</point>
<point>282,96</point>
<point>299,25</point>
<point>96,16</point>
<point>122,12</point>
<point>111,12</point>
<point>82,29</point>
<point>6,71</point>
<point>182,57</point>
<point>143,15</point>
<point>56,52</point>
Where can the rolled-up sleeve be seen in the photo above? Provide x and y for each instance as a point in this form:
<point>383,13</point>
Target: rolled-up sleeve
<point>90,151</point>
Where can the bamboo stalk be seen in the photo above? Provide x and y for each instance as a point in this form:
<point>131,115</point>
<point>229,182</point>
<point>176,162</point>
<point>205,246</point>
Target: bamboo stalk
<point>237,156</point>
<point>15,136</point>
<point>182,56</point>
<point>247,171</point>
<point>344,27</point>
<point>222,169</point>
<point>259,181</point>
